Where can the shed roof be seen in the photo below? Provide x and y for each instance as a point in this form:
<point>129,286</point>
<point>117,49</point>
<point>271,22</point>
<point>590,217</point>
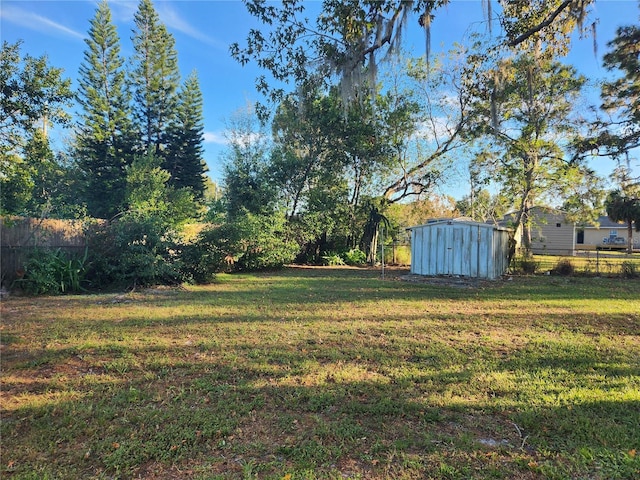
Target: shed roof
<point>459,221</point>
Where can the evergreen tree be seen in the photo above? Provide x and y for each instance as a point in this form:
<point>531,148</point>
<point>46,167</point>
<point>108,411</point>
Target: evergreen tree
<point>183,158</point>
<point>104,139</point>
<point>621,96</point>
<point>155,78</point>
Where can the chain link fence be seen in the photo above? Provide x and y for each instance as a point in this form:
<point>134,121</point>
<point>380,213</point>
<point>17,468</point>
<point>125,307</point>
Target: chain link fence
<point>590,262</point>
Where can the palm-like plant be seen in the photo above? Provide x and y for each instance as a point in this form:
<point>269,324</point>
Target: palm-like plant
<point>623,208</point>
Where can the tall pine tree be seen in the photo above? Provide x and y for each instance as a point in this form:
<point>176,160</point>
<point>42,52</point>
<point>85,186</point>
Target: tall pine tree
<point>155,78</point>
<point>183,159</point>
<point>104,144</point>
<point>621,96</point>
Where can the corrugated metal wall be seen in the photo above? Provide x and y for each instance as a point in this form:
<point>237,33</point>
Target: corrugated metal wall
<point>459,248</point>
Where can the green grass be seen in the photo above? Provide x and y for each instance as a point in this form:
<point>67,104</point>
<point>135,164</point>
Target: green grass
<point>326,374</point>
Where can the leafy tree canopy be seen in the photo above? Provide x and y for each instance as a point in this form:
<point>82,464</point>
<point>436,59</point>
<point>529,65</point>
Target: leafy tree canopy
<point>32,91</point>
<point>625,208</point>
<point>525,108</point>
<point>32,95</point>
<point>346,35</point>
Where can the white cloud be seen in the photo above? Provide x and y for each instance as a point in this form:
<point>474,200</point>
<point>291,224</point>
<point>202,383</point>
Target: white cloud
<point>172,19</point>
<point>241,139</point>
<point>215,137</point>
<point>122,11</point>
<point>439,127</point>
<point>33,21</point>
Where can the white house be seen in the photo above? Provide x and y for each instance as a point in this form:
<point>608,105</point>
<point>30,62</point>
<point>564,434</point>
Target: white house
<point>553,234</point>
<point>605,234</point>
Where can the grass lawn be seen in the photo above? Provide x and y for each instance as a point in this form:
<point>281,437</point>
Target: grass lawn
<point>594,263</point>
<point>326,374</point>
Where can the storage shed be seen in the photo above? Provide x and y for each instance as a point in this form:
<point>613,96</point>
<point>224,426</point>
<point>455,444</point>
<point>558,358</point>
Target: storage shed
<point>459,247</point>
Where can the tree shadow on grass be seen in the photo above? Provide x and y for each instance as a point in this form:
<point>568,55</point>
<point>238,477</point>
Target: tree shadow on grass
<point>344,394</point>
<point>277,422</point>
<point>304,403</point>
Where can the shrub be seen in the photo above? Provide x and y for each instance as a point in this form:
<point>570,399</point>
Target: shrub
<point>249,242</point>
<point>564,267</point>
<point>215,250</point>
<point>526,265</point>
<point>142,246</point>
<point>53,271</point>
<point>135,251</point>
<point>629,269</point>
<point>197,265</point>
<point>332,259</point>
<point>264,242</point>
<point>355,256</point>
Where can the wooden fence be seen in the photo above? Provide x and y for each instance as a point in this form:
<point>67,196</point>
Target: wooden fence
<point>19,236</point>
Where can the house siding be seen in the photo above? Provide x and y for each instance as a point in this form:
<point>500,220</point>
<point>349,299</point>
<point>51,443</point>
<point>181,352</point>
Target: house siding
<point>594,237</point>
<point>547,238</point>
<point>550,239</point>
<point>552,234</point>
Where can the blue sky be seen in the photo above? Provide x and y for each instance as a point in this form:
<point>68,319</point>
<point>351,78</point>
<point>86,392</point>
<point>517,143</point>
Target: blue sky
<point>204,29</point>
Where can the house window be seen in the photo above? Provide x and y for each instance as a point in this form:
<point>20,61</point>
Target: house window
<point>580,237</point>
<point>558,225</point>
<point>613,233</point>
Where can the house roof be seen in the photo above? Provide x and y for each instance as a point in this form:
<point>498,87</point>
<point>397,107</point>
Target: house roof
<point>509,217</point>
<point>605,222</point>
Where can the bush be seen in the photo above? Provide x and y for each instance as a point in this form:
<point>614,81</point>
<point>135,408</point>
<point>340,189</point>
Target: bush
<point>526,265</point>
<point>564,267</point>
<point>213,251</point>
<point>355,256</point>
<point>332,259</point>
<point>135,251</point>
<point>249,242</point>
<point>263,242</point>
<point>197,263</point>
<point>142,246</point>
<point>53,271</point>
<point>629,269</point>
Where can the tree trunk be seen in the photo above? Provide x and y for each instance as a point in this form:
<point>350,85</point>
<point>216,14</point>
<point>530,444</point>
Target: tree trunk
<point>526,231</point>
<point>373,249</point>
